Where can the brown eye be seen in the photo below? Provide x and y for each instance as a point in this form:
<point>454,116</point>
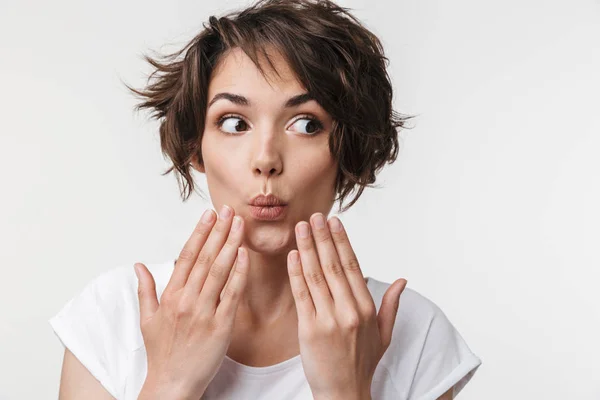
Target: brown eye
<point>230,124</point>
<point>309,125</point>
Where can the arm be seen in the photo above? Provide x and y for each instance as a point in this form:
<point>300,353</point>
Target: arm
<point>77,382</point>
<point>447,395</point>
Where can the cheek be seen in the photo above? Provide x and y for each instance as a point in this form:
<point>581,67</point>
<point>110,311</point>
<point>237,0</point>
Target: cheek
<point>223,166</point>
<point>316,169</point>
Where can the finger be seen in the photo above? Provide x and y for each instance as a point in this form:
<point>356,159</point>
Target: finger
<point>330,262</point>
<point>221,268</point>
<point>313,274</point>
<point>231,273</point>
<point>208,253</point>
<point>188,255</point>
<point>304,303</point>
<point>146,292</point>
<point>388,311</point>
<point>235,288</point>
<point>349,263</point>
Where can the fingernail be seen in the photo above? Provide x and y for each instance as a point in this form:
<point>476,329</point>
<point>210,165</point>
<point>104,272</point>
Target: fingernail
<point>319,221</point>
<point>303,230</point>
<point>207,216</point>
<point>336,225</point>
<point>225,212</point>
<point>237,221</point>
<point>294,257</point>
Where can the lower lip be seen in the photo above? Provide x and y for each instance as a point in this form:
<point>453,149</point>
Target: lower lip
<point>267,213</point>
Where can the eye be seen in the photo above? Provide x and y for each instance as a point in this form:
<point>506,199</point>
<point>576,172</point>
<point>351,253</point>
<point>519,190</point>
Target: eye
<point>309,124</point>
<point>231,124</point>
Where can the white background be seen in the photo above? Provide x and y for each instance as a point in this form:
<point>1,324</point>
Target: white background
<point>491,211</point>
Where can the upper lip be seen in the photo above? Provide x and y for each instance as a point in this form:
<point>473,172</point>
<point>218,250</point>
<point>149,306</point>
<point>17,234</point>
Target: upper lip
<point>268,200</point>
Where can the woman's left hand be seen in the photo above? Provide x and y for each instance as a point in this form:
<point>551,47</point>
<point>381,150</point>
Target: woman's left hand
<point>341,336</point>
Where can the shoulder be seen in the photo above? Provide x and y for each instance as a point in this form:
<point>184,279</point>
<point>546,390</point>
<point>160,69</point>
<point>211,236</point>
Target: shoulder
<point>117,298</point>
<point>105,312</point>
<point>100,323</point>
<point>427,351</point>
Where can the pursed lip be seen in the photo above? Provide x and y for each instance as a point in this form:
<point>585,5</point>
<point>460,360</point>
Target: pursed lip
<point>269,200</point>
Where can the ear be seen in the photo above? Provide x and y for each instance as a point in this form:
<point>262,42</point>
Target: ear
<point>197,166</point>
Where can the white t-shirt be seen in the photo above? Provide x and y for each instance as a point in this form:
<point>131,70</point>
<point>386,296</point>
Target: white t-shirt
<point>100,326</point>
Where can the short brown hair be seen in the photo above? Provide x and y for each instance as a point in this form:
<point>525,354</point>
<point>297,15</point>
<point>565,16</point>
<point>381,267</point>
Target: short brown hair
<point>339,61</point>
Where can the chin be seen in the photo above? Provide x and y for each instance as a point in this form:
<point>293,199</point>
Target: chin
<point>270,240</point>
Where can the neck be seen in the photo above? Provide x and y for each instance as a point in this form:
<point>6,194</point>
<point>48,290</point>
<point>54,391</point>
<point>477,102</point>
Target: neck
<point>267,297</point>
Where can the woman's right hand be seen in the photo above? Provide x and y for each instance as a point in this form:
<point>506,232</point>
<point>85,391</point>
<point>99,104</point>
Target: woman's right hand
<point>188,334</point>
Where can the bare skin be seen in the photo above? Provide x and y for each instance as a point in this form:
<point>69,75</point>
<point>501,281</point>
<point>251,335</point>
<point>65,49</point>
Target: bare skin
<point>269,151</point>
<point>272,153</point>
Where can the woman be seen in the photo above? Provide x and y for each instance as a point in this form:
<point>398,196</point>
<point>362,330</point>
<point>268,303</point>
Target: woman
<point>286,107</point>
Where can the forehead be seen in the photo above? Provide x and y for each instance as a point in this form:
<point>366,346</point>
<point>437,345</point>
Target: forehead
<point>235,70</point>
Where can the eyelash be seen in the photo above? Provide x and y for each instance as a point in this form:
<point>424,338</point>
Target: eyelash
<point>222,119</point>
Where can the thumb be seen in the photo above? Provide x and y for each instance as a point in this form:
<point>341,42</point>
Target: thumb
<point>388,310</point>
<point>146,292</point>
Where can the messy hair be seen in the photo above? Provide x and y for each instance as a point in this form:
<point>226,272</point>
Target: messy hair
<point>338,61</point>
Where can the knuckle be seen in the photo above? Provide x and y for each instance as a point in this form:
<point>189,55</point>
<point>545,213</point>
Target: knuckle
<point>340,237</point>
<point>231,241</point>
<point>201,230</point>
<point>217,271</point>
<point>203,258</point>
<point>305,245</point>
<point>231,292</point>
<point>335,268</point>
<point>230,245</point>
<point>321,238</point>
<point>351,321</point>
<point>201,314</point>
<point>216,326</point>
<point>295,272</point>
<point>352,265</point>
<point>329,326</point>
<point>370,312</point>
<point>221,326</point>
<point>221,227</point>
<point>186,254</point>
<point>303,295</point>
<point>183,310</point>
<point>205,320</point>
<point>241,271</point>
<point>316,278</point>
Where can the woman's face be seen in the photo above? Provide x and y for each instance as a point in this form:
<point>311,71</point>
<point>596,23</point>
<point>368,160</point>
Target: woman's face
<point>259,145</point>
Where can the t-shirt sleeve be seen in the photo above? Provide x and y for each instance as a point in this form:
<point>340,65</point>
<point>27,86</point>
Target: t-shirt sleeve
<point>83,326</point>
<point>446,361</point>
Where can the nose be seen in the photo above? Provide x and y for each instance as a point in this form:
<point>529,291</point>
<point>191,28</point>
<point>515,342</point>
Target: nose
<point>266,158</point>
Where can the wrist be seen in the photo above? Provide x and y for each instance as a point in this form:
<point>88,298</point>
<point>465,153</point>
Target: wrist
<point>345,396</point>
<point>154,390</point>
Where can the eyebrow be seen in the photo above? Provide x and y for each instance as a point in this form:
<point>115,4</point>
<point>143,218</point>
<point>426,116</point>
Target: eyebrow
<point>242,101</point>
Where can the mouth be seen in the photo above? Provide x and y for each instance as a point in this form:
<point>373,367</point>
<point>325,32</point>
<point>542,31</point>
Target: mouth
<point>268,213</point>
<point>269,200</point>
<point>267,207</point>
